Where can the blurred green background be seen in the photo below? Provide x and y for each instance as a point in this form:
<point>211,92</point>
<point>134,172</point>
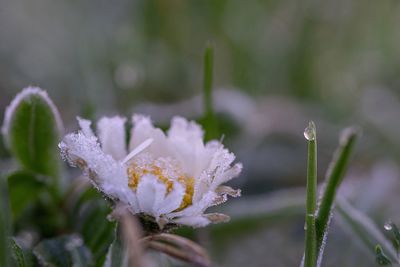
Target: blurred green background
<point>278,64</point>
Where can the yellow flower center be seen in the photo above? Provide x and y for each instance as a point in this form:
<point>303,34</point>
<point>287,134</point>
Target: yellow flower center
<point>166,172</point>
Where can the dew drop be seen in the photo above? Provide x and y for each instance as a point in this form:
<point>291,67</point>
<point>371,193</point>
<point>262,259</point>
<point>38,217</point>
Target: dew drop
<point>388,225</point>
<point>309,132</point>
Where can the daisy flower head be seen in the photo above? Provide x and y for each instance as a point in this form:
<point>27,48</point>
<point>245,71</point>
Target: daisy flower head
<point>170,177</point>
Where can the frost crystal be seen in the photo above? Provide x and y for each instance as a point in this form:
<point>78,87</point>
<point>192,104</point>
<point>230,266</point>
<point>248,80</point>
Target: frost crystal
<point>173,177</point>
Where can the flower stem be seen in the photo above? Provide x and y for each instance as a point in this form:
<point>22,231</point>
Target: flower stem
<point>310,254</point>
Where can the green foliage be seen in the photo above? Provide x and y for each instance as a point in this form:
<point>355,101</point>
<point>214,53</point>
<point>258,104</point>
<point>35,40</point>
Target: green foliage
<point>90,216</point>
<point>319,221</point>
<point>32,130</point>
<point>381,258</point>
<point>23,257</point>
<point>18,254</point>
<point>63,251</point>
<point>116,256</point>
<point>363,229</point>
<point>334,178</point>
<point>209,120</point>
<point>24,190</point>
<point>4,225</point>
<point>390,226</point>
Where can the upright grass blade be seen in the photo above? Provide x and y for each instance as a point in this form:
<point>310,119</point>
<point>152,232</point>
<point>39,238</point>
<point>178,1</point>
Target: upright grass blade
<point>334,178</point>
<point>4,225</point>
<point>310,253</point>
<point>363,228</point>
<point>210,122</point>
<point>208,78</point>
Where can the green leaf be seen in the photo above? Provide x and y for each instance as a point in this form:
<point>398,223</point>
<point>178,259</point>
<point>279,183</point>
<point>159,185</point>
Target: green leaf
<point>24,190</point>
<point>97,238</point>
<point>63,251</point>
<point>23,257</point>
<point>18,254</point>
<point>88,208</point>
<point>32,128</point>
<point>116,255</point>
<point>4,225</point>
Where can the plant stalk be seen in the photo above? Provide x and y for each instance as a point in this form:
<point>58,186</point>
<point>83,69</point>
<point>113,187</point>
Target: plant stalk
<point>310,254</point>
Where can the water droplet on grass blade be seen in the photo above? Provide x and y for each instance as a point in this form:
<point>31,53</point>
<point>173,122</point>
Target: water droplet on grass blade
<point>388,225</point>
<point>309,132</point>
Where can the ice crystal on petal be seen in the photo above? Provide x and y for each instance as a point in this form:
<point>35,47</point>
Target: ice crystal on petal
<point>171,177</point>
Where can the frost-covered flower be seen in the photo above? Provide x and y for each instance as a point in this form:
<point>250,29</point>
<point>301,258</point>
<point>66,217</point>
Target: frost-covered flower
<point>172,177</point>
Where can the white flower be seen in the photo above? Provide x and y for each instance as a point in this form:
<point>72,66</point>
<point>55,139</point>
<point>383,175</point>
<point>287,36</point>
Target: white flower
<point>171,177</point>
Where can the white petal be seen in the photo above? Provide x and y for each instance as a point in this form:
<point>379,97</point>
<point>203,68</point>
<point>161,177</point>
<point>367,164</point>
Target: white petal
<point>202,220</point>
<point>173,200</point>
<point>181,128</point>
<point>227,175</point>
<point>221,158</point>
<point>132,200</point>
<point>218,170</point>
<point>187,140</point>
<point>85,126</point>
<point>150,194</point>
<point>106,174</point>
<point>201,186</point>
<point>195,221</point>
<point>196,208</point>
<point>142,130</point>
<point>227,190</point>
<point>111,132</point>
<point>217,217</point>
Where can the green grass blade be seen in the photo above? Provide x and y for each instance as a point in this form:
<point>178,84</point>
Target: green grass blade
<point>5,225</point>
<point>210,122</point>
<point>208,78</point>
<point>363,228</point>
<point>334,178</point>
<point>310,254</point>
